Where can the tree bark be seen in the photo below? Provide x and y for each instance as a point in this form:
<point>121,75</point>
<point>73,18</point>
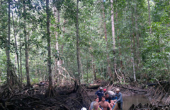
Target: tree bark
<point>62,47</point>
<point>49,45</point>
<point>57,60</point>
<point>93,68</point>
<point>81,70</point>
<point>137,39</point>
<point>16,49</point>
<point>133,57</point>
<point>26,48</point>
<point>133,48</point>
<point>113,34</point>
<point>149,17</point>
<point>77,42</point>
<point>113,26</point>
<point>8,48</point>
<point>87,68</point>
<point>20,61</point>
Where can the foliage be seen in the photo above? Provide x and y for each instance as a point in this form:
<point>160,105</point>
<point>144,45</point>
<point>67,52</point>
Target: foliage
<point>133,38</point>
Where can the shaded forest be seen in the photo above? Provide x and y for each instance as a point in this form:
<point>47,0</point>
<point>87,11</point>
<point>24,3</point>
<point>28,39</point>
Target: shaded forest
<point>66,41</point>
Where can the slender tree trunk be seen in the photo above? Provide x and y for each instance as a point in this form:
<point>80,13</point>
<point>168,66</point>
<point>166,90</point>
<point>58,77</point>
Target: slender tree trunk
<point>20,61</point>
<point>8,48</point>
<point>113,26</point>
<point>16,49</point>
<point>113,34</point>
<point>93,68</point>
<point>133,49</point>
<point>81,70</point>
<point>20,53</point>
<point>77,42</point>
<point>105,32</point>
<point>57,62</point>
<point>62,47</point>
<point>137,39</point>
<point>49,45</point>
<point>57,35</point>
<point>26,48</point>
<point>149,17</point>
<point>87,68</point>
<point>133,57</point>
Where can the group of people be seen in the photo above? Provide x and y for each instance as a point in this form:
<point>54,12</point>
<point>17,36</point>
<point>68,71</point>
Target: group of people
<point>107,100</point>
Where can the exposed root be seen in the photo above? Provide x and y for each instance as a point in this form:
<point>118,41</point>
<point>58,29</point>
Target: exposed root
<point>51,92</point>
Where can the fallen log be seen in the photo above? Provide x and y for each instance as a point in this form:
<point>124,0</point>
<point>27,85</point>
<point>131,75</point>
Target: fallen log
<point>93,86</point>
<point>149,107</point>
<point>135,90</point>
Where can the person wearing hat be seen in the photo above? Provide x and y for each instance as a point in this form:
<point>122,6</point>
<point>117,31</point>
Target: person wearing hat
<point>96,106</point>
<point>96,99</point>
<point>100,93</point>
<point>104,90</point>
<point>83,108</point>
<point>119,98</point>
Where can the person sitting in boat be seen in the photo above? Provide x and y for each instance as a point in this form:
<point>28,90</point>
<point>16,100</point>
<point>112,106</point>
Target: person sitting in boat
<point>96,99</point>
<point>119,100</point>
<point>108,97</point>
<point>104,90</point>
<point>104,104</point>
<point>112,95</point>
<point>96,106</point>
<point>113,105</point>
<point>100,93</point>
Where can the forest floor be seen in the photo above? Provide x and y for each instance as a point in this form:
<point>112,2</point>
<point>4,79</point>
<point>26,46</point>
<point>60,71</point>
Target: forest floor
<point>69,99</point>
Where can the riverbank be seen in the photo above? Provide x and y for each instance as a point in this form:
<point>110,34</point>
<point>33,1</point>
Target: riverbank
<point>68,98</point>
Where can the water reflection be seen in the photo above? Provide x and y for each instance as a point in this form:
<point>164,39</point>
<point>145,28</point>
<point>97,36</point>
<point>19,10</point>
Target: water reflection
<point>136,99</point>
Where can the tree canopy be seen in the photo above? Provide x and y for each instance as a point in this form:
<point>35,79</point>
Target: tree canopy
<point>83,45</point>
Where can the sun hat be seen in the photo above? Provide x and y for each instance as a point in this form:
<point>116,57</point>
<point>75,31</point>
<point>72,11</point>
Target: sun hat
<point>101,88</point>
<point>83,108</point>
<point>117,89</point>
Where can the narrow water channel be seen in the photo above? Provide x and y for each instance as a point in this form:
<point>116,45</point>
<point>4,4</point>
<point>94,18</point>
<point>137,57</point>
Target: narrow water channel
<point>135,99</point>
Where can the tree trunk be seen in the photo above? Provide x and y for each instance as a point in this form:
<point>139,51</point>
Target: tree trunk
<point>20,60</point>
<point>16,49</point>
<point>133,57</point>
<point>26,48</point>
<point>87,68</point>
<point>8,48</point>
<point>81,70</point>
<point>133,48</point>
<point>113,27</point>
<point>77,43</point>
<point>57,62</point>
<point>105,32</point>
<point>113,34</point>
<point>49,45</point>
<point>137,39</point>
<point>62,47</point>
<point>149,17</point>
<point>93,68</point>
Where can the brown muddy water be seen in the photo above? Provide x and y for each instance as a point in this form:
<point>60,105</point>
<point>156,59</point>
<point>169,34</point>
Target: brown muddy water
<point>135,99</point>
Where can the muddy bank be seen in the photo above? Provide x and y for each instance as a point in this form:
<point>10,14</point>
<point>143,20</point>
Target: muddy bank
<point>34,99</point>
<point>69,99</point>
